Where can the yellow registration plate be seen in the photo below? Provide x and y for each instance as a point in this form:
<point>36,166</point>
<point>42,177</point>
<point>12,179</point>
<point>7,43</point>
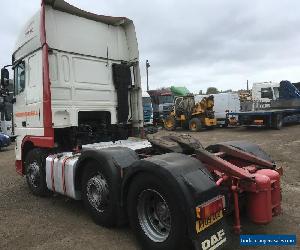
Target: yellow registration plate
<point>205,223</point>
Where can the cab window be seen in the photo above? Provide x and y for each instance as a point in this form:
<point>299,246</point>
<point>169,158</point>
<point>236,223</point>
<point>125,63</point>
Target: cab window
<point>19,71</point>
<point>267,93</point>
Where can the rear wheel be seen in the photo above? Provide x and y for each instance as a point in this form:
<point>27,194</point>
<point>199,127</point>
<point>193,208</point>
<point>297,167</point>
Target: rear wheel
<point>154,214</point>
<point>185,125</point>
<point>195,124</point>
<point>97,194</point>
<point>170,123</point>
<point>226,123</point>
<point>277,122</point>
<point>210,127</point>
<point>35,172</point>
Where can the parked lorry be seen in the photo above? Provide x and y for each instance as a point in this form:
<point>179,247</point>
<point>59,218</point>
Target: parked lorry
<point>223,103</point>
<point>78,100</point>
<point>6,124</point>
<point>282,108</point>
<point>147,109</point>
<point>6,111</point>
<point>162,103</point>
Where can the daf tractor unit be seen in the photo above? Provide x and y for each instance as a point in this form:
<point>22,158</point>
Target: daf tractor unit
<point>78,117</point>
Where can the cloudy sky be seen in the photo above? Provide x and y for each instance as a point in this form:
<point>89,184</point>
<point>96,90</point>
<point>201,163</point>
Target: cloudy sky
<point>198,43</point>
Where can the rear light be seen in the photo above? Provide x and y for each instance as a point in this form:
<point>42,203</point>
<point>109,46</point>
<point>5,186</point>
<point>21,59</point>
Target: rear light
<point>259,122</point>
<point>210,207</point>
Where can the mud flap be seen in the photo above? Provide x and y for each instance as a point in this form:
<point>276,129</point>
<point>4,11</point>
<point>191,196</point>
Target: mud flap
<point>217,236</point>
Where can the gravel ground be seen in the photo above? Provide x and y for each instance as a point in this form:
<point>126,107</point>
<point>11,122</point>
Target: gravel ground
<point>29,222</point>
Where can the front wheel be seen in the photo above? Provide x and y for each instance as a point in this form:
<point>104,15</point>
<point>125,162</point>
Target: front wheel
<point>35,172</point>
<point>195,124</point>
<point>277,123</point>
<point>154,214</point>
<point>170,123</point>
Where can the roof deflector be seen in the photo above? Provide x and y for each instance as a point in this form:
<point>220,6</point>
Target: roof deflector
<point>61,5</point>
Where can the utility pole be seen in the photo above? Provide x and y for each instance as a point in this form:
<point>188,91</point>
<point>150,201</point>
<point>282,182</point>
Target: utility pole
<point>147,66</point>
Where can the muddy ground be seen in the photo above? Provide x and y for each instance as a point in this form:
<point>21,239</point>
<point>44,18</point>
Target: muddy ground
<point>29,222</point>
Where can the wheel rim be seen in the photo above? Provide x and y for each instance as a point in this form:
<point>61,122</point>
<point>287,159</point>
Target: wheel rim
<point>169,123</point>
<point>154,215</point>
<point>33,174</point>
<point>98,192</point>
<point>193,125</point>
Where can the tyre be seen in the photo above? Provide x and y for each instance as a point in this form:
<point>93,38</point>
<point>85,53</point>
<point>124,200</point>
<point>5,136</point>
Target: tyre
<point>195,125</point>
<point>170,123</point>
<point>225,125</point>
<point>154,214</point>
<point>277,124</point>
<point>185,125</point>
<point>35,172</point>
<point>98,194</point>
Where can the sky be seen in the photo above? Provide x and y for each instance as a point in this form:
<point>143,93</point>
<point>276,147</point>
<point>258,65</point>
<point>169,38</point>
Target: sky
<point>194,43</point>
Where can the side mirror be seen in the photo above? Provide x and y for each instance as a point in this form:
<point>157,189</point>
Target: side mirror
<point>4,77</point>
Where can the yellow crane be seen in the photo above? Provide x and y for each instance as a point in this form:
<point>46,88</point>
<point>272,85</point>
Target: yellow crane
<point>190,115</point>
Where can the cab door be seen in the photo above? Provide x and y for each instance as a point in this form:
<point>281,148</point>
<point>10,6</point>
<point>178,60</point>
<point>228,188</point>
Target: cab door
<point>34,93</point>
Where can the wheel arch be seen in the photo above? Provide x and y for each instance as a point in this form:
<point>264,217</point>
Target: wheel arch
<point>87,156</point>
<point>26,147</point>
<point>79,172</point>
<point>115,160</point>
<point>138,169</point>
<point>186,176</point>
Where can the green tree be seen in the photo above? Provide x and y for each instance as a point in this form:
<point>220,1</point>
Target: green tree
<point>212,90</point>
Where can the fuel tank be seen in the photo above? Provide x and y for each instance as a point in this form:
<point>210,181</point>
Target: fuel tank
<point>60,174</point>
<point>264,202</point>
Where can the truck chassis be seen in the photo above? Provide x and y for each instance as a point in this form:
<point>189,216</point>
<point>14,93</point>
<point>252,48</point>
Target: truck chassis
<point>173,192</point>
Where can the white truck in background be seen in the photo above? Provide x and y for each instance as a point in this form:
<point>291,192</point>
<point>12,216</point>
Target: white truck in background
<point>223,103</point>
<point>6,111</point>
<point>263,93</point>
<point>147,109</point>
<point>6,124</point>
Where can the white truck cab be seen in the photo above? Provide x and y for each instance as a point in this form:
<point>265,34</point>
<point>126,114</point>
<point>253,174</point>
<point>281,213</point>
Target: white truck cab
<point>5,124</point>
<point>263,93</point>
<point>77,80</point>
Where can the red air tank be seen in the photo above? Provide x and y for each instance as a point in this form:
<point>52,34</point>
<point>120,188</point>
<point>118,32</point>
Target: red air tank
<point>259,202</point>
<point>275,189</point>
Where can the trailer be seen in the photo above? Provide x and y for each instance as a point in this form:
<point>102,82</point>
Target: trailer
<point>78,118</point>
<point>273,118</point>
<point>279,112</point>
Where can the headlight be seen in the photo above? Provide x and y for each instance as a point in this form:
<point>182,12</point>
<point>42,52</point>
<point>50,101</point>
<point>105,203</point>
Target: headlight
<point>6,136</point>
